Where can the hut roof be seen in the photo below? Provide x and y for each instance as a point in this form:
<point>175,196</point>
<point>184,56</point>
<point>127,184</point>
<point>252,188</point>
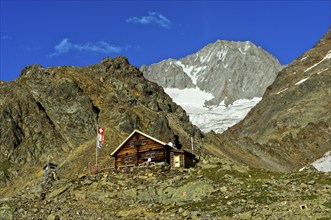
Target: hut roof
<point>142,133</point>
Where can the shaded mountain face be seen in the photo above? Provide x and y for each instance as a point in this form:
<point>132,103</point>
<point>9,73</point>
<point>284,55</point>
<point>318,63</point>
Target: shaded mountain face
<point>228,70</point>
<point>52,114</point>
<point>290,126</point>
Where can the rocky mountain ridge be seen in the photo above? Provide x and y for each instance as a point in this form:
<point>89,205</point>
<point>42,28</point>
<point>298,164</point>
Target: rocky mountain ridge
<point>52,114</point>
<point>226,69</point>
<point>290,126</point>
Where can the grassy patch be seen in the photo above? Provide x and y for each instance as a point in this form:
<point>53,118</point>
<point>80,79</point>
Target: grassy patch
<point>328,204</point>
<point>4,165</point>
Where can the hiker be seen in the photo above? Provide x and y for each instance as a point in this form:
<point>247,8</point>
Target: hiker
<point>46,174</point>
<point>50,173</point>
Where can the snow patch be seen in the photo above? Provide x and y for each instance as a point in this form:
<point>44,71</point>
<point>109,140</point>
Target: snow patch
<point>247,46</point>
<point>241,51</point>
<point>191,71</point>
<point>328,56</point>
<point>303,59</point>
<point>323,164</point>
<point>186,68</point>
<point>200,68</point>
<point>209,57</point>
<point>282,91</point>
<point>189,96</point>
<point>196,73</point>
<point>222,117</point>
<point>301,81</point>
<point>203,59</point>
<point>222,54</point>
<point>322,71</point>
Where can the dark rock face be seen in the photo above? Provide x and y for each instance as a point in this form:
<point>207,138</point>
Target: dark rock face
<point>290,127</point>
<point>53,111</point>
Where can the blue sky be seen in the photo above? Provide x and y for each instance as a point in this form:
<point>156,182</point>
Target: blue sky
<point>79,33</point>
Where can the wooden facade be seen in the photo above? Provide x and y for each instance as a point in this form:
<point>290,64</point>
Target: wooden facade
<point>182,158</point>
<point>140,148</point>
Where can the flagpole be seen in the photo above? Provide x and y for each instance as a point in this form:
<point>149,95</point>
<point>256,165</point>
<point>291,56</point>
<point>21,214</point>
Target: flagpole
<point>95,169</point>
<point>96,148</point>
<point>100,139</point>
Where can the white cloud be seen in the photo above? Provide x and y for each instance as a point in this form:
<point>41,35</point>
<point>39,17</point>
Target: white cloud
<point>63,47</point>
<point>151,18</point>
<point>99,47</point>
<point>5,37</point>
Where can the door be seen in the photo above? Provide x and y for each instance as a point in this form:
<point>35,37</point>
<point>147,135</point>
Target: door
<point>177,161</point>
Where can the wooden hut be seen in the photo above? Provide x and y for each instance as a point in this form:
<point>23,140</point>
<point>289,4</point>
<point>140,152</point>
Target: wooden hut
<point>140,149</point>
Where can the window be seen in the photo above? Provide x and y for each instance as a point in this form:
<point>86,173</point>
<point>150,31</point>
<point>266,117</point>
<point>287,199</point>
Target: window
<point>128,159</point>
<point>137,142</point>
<point>143,141</point>
<point>151,154</point>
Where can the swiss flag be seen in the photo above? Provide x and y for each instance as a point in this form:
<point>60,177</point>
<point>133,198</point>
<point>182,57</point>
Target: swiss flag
<point>101,138</point>
<point>101,130</point>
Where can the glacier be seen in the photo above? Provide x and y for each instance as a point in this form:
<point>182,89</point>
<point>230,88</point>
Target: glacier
<point>217,118</point>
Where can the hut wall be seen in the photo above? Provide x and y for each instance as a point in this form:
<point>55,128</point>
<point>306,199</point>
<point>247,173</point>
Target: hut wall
<point>138,149</point>
<point>173,156</point>
<point>189,160</point>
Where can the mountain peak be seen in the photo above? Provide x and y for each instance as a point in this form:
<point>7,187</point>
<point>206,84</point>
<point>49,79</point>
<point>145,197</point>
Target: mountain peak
<point>222,73</point>
<point>118,59</point>
<point>32,69</point>
<point>228,70</point>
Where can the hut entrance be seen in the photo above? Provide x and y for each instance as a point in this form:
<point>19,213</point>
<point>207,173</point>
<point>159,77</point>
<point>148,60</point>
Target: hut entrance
<point>177,160</point>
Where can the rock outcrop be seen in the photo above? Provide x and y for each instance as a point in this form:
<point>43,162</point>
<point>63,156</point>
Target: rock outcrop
<point>213,190</point>
<point>290,127</point>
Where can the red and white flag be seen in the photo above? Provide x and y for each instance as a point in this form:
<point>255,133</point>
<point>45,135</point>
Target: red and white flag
<point>101,130</point>
<point>100,137</point>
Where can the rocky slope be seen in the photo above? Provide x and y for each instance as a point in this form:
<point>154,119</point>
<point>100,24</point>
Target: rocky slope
<point>290,126</point>
<point>228,70</point>
<point>213,190</point>
<point>52,114</point>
